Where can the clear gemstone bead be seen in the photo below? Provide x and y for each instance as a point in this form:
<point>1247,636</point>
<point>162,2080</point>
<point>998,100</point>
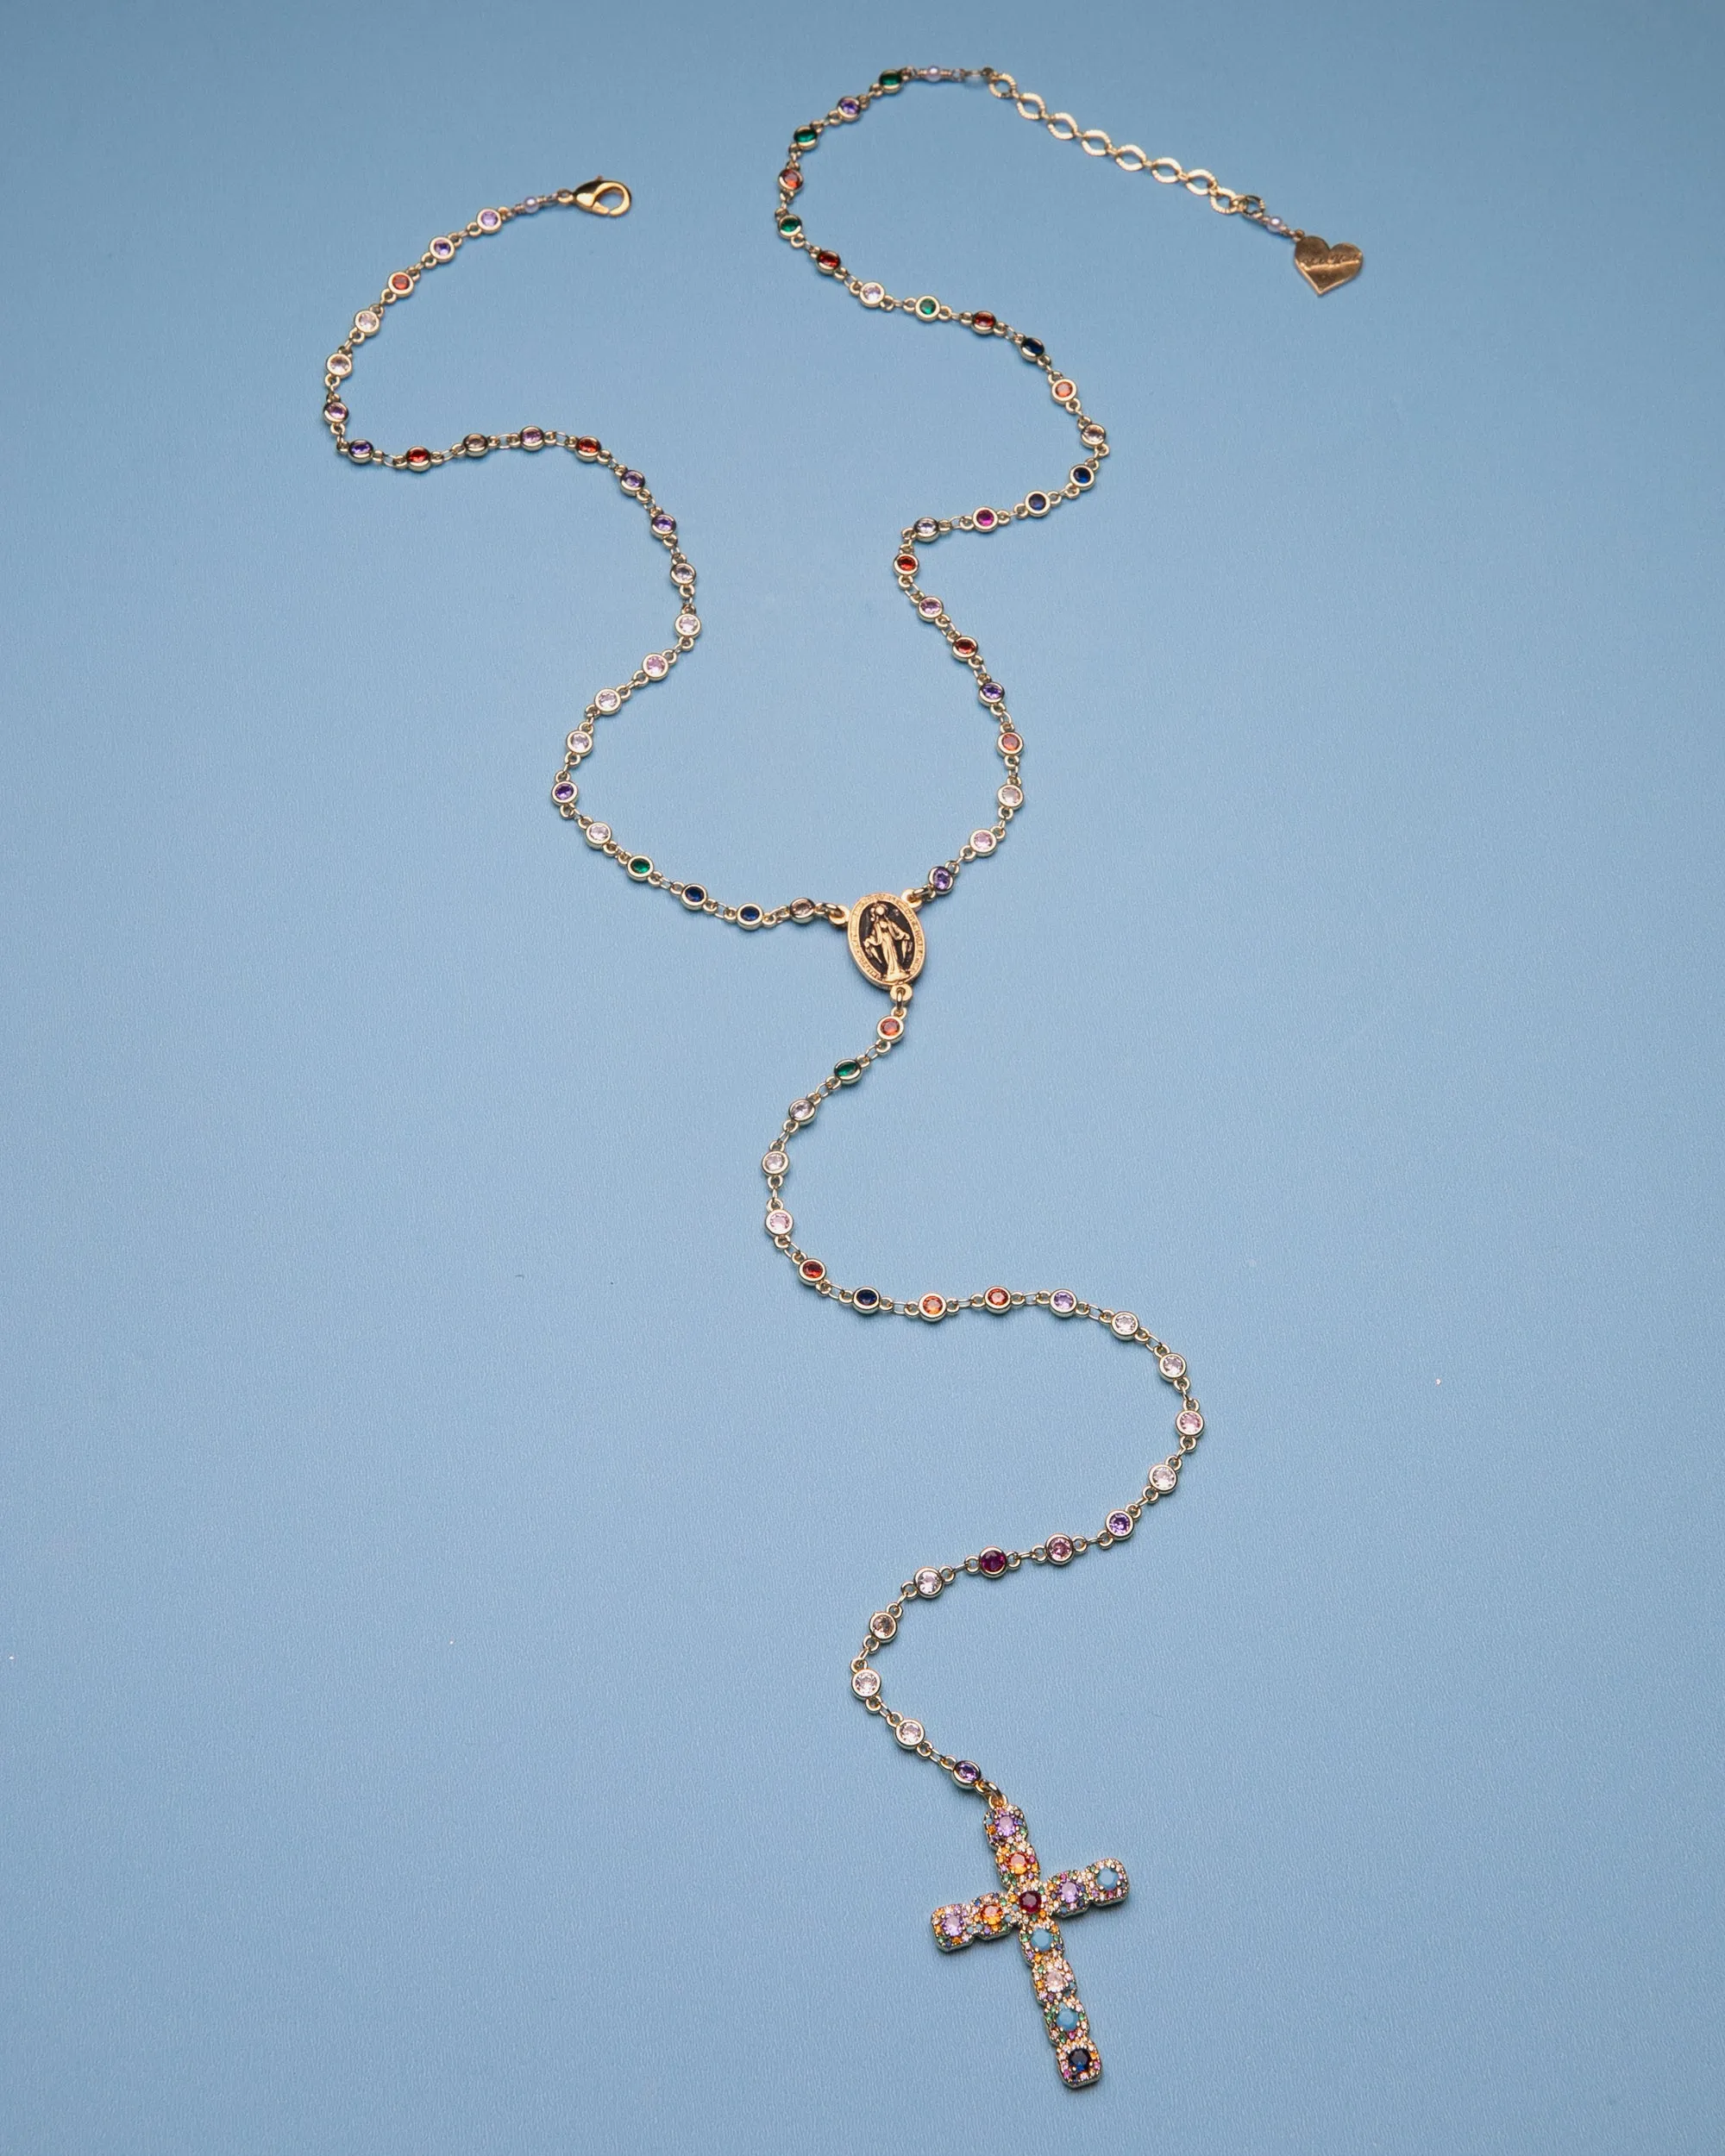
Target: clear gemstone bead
<point>1188,1422</point>
<point>983,842</point>
<point>1162,1478</point>
<point>599,834</point>
<point>778,1222</point>
<point>929,1583</point>
<point>607,700</point>
<point>802,1111</point>
<point>1171,1366</point>
<point>866,1683</point>
<point>688,624</point>
<point>872,295</point>
<point>1123,1324</point>
<point>1010,797</point>
<point>655,666</point>
<point>776,1162</point>
<point>909,1734</point>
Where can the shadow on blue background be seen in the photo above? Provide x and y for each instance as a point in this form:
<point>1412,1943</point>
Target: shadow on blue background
<point>437,1527</point>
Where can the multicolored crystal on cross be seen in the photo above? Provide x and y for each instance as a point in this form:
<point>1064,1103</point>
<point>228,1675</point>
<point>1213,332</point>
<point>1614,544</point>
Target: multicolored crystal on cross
<point>1031,1905</point>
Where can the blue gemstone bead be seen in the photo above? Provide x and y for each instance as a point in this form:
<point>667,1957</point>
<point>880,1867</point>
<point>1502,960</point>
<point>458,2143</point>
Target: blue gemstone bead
<point>1083,475</point>
<point>1032,347</point>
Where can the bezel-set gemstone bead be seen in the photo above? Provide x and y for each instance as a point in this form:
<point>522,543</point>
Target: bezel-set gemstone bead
<point>360,452</point>
<point>930,609</point>
<point>1036,503</point>
<point>1162,1478</point>
<point>1060,1550</point>
<point>597,834</point>
<point>1188,1422</point>
<point>998,1299</point>
<point>990,692</point>
<point>683,573</point>
<point>338,364</point>
<point>941,879</point>
<point>983,324</point>
<point>608,700</point>
<point>983,842</point>
<point>867,1300</point>
<point>789,228</point>
<point>866,1683</point>
<point>883,1625</point>
<point>926,528</point>
<point>368,321</point>
<point>775,1162</point>
<point>419,458</point>
<point>581,742</point>
<point>778,1222</point>
<point>688,624</point>
<point>640,868</point>
<point>890,1028</point>
<point>1062,390</point>
<point>662,523</point>
<point>563,791</point>
<point>803,1111</point>
<point>848,1072</point>
<point>871,294</point>
<point>813,1271</point>
<point>910,1734</point>
<point>1084,475</point>
<point>826,262</point>
<point>1063,1302</point>
<point>441,249</point>
<point>984,519</point>
<point>1173,1367</point>
<point>1092,436</point>
<point>790,179</point>
<point>992,1564</point>
<point>1010,797</point>
<point>906,564</point>
<point>749,917</point>
<point>631,482</point>
<point>849,108</point>
<point>532,437</point>
<point>968,1772</point>
<point>933,1307</point>
<point>1120,1524</point>
<point>892,79</point>
<point>335,412</point>
<point>694,895</point>
<point>1032,347</point>
<point>401,283</point>
<point>805,138</point>
<point>655,666</point>
<point>928,308</point>
<point>587,447</point>
<point>928,1582</point>
<point>964,647</point>
<point>1124,1325</point>
<point>1010,743</point>
<point>489,220</point>
<point>475,445</point>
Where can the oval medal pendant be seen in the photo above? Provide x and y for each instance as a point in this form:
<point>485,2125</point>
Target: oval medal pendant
<point>886,939</point>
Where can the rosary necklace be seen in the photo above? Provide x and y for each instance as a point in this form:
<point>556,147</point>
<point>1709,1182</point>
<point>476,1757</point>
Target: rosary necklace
<point>884,931</point>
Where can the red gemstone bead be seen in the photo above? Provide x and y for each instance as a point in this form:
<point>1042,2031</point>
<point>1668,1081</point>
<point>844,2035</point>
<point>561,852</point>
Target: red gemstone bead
<point>964,647</point>
<point>826,259</point>
<point>983,324</point>
<point>587,447</point>
<point>1030,1901</point>
<point>401,282</point>
<point>993,1562</point>
<point>906,565</point>
<point>790,179</point>
<point>418,460</point>
<point>1010,745</point>
<point>812,1269</point>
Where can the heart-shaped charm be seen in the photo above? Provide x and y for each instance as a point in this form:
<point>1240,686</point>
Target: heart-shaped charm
<point>1324,267</point>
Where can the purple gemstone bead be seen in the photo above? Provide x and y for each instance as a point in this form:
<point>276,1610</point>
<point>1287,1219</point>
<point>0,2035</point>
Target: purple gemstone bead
<point>991,692</point>
<point>968,1772</point>
<point>849,106</point>
<point>565,793</point>
<point>488,220</point>
<point>360,452</point>
<point>1119,1523</point>
<point>940,879</point>
<point>632,480</point>
<point>664,525</point>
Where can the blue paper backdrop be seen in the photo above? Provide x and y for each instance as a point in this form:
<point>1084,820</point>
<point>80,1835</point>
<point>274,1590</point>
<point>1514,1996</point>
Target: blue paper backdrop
<point>436,1524</point>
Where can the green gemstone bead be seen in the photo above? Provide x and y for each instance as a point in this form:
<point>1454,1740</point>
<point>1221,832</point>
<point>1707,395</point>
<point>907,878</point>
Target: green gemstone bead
<point>805,138</point>
<point>892,79</point>
<point>847,1073</point>
<point>640,868</point>
<point>789,227</point>
<point>928,309</point>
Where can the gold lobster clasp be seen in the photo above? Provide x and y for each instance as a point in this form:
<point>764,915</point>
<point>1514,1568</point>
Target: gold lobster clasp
<point>604,198</point>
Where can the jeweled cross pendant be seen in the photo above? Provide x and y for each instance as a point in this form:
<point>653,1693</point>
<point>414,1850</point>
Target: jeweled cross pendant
<point>1031,1905</point>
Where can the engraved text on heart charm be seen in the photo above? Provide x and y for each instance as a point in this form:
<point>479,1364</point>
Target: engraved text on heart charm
<point>1324,267</point>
